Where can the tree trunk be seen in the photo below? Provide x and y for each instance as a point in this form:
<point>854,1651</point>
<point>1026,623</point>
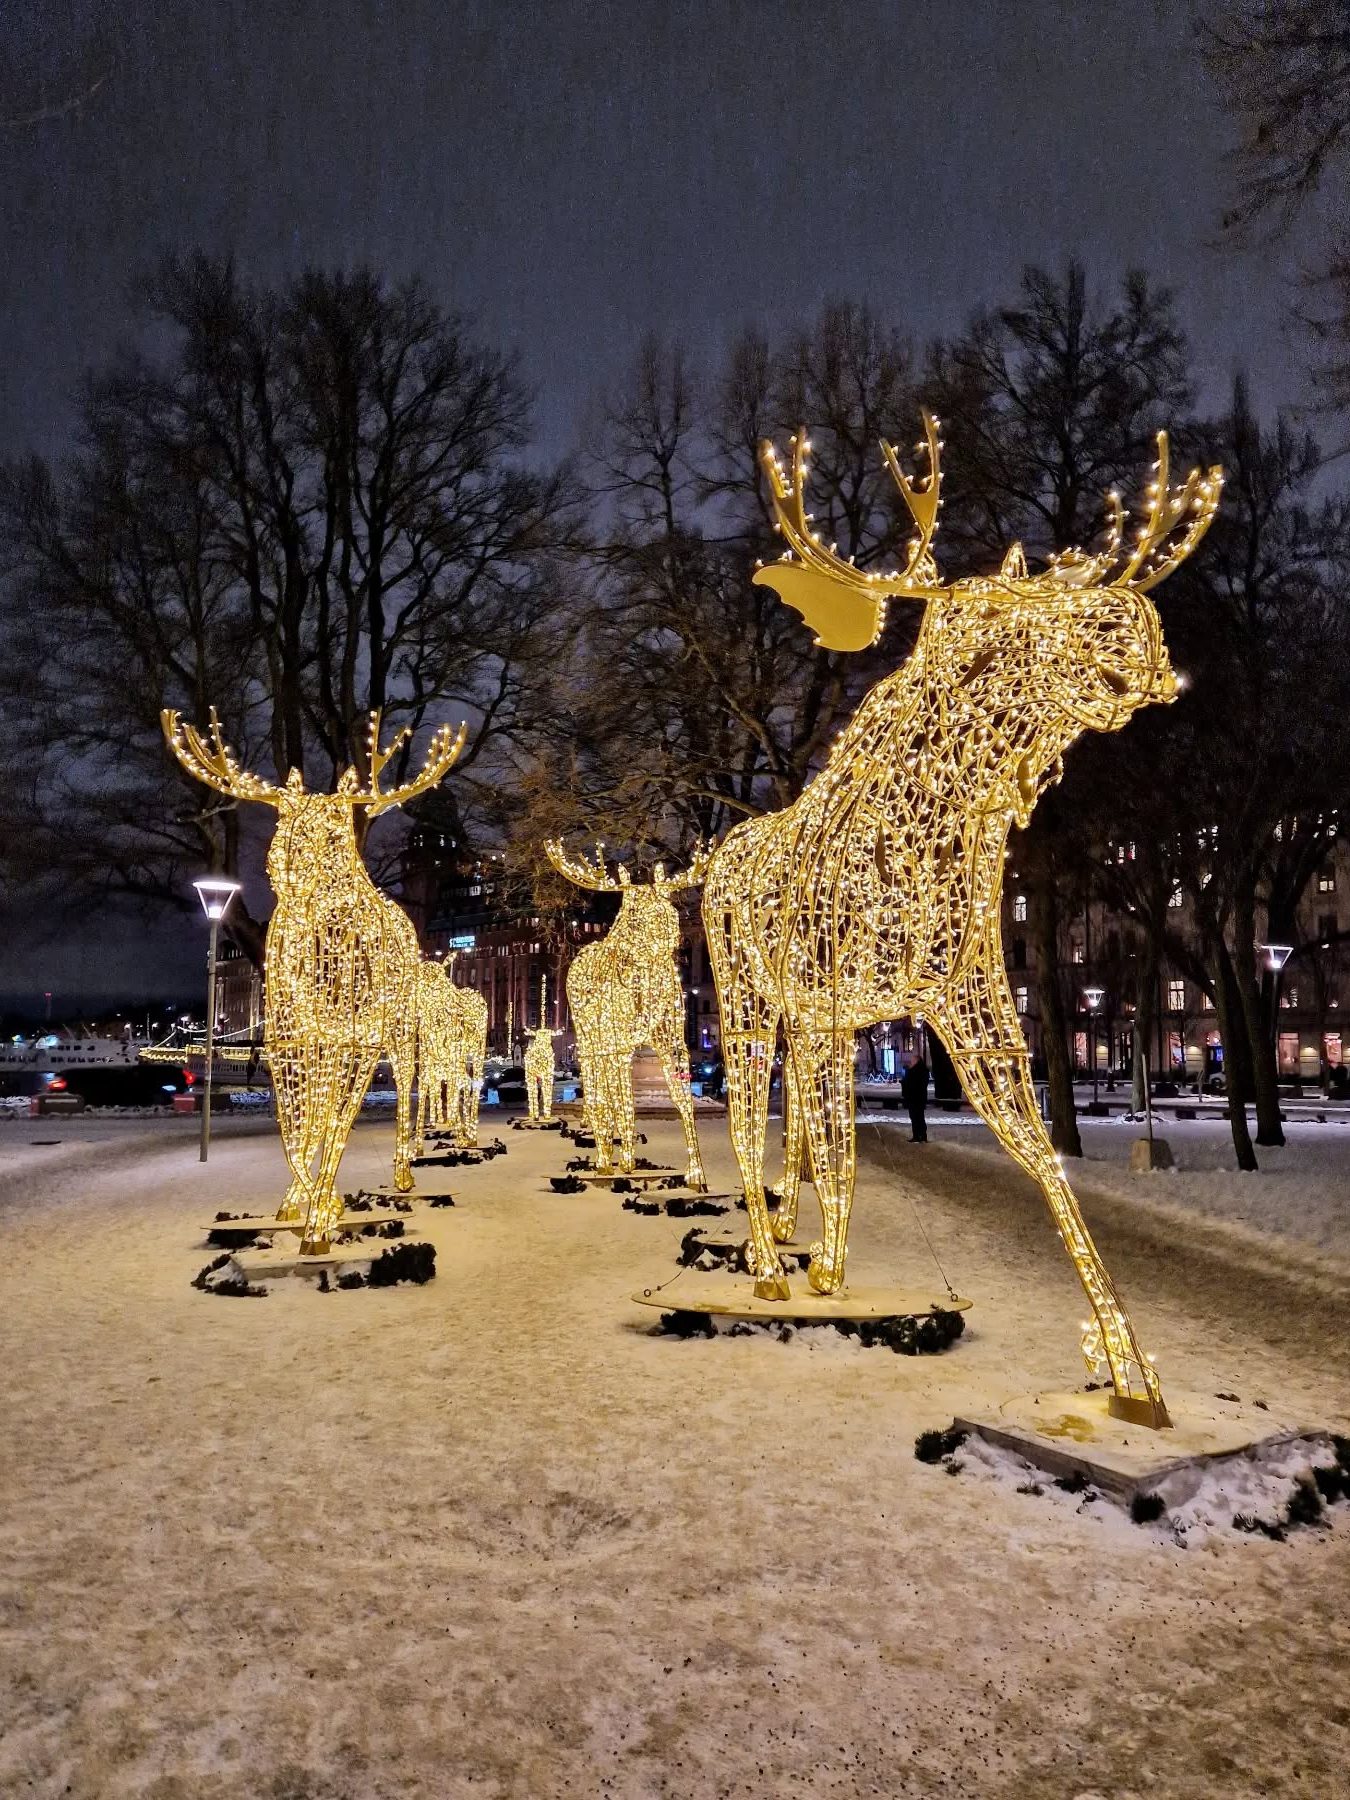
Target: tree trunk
<point>1145,997</point>
<point>1260,1038</point>
<point>1233,1032</point>
<point>1043,927</point>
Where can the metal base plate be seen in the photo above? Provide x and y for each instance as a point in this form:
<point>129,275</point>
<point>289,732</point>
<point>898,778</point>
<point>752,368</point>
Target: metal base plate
<point>736,1299</point>
<point>641,1178</point>
<point>271,1265</point>
<point>1076,1433</point>
<point>267,1222</point>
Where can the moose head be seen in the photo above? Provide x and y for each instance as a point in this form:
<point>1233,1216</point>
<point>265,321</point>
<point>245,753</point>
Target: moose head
<point>1077,646</point>
<point>314,831</point>
<point>646,914</point>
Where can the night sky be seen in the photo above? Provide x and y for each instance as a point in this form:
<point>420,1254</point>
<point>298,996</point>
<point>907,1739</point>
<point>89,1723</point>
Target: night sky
<point>578,174</point>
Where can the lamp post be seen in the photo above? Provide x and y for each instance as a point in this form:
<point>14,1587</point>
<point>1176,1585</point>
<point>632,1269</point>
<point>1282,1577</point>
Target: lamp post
<point>1276,955</point>
<point>1094,997</point>
<point>215,893</point>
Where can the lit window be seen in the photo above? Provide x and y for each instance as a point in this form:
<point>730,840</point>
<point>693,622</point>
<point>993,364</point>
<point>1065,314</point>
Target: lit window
<point>1326,882</point>
<point>1020,996</point>
<point>1175,899</point>
<point>1176,996</point>
<point>1289,997</point>
<point>1019,909</point>
<point>1076,953</point>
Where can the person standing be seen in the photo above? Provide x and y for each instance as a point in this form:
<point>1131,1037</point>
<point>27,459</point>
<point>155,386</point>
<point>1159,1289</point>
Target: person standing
<point>914,1093</point>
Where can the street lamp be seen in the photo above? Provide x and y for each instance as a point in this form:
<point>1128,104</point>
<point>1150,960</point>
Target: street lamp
<point>1094,997</point>
<point>215,893</point>
<point>1277,955</point>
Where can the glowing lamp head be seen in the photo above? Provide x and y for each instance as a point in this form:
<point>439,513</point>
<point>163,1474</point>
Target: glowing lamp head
<point>215,893</point>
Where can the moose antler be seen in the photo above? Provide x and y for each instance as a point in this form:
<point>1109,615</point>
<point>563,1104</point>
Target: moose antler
<point>212,762</point>
<point>692,876</point>
<point>818,582</point>
<point>583,873</point>
<point>442,753</point>
<point>1196,501</point>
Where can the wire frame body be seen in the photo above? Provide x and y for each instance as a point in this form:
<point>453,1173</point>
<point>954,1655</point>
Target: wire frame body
<point>877,894</point>
<point>341,965</point>
<point>624,993</point>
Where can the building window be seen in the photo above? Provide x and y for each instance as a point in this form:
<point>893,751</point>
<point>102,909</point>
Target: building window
<point>1076,953</point>
<point>1176,996</point>
<point>1326,882</point>
<point>1019,909</point>
<point>1289,997</point>
<point>1020,997</point>
<point>1175,900</point>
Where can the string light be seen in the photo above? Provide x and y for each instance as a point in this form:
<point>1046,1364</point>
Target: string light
<point>877,894</point>
<point>624,992</point>
<point>341,962</point>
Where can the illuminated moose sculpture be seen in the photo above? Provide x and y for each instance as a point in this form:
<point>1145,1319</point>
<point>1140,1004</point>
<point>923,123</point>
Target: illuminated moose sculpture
<point>341,965</point>
<point>539,1064</point>
<point>625,992</point>
<point>876,894</point>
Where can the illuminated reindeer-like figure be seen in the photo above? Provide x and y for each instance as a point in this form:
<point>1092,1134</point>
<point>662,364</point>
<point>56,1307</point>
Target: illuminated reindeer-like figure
<point>876,894</point>
<point>341,965</point>
<point>539,1063</point>
<point>625,992</point>
<point>461,1109</point>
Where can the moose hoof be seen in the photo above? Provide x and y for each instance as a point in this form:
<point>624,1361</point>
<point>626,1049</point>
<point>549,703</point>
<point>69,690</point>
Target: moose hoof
<point>783,1228</point>
<point>773,1285</point>
<point>403,1181</point>
<point>696,1181</point>
<point>825,1274</point>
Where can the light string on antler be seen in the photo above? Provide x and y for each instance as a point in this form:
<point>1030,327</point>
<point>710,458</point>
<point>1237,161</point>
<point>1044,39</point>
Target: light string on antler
<point>876,895</point>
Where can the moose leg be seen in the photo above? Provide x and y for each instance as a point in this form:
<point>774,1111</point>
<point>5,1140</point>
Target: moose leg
<point>979,1027</point>
<point>747,1053</point>
<point>403,1060</point>
<point>623,1112</point>
<point>789,1188</point>
<point>299,1123</point>
<point>670,1047</point>
<point>349,1082</point>
<point>824,1079</point>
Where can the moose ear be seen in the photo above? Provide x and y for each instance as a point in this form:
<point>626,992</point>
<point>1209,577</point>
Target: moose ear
<point>841,617</point>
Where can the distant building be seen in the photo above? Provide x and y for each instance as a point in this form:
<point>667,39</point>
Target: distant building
<point>1099,948</point>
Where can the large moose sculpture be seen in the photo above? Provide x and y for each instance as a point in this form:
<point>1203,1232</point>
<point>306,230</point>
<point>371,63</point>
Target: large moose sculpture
<point>876,894</point>
<point>623,993</point>
<point>341,961</point>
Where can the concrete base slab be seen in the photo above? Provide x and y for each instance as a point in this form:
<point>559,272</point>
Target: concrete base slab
<point>736,1299</point>
<point>1075,1434</point>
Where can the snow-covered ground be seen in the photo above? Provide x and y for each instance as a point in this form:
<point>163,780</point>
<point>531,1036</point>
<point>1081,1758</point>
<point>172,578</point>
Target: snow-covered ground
<point>492,1537</point>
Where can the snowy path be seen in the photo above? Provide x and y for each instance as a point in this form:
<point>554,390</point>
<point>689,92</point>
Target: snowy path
<point>492,1538</point>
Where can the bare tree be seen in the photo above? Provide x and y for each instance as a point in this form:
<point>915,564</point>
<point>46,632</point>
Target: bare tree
<point>305,505</point>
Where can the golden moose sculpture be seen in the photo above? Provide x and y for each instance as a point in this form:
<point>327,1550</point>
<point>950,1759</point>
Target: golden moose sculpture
<point>877,893</point>
<point>538,1064</point>
<point>451,1047</point>
<point>341,964</point>
<point>624,993</point>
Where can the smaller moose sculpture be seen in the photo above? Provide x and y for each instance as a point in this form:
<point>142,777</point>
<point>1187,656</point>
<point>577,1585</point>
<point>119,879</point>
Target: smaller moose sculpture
<point>625,992</point>
<point>341,963</point>
<point>539,1063</point>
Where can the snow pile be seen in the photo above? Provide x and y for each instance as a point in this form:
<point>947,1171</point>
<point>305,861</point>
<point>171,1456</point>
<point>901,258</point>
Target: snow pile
<point>1266,1491</point>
